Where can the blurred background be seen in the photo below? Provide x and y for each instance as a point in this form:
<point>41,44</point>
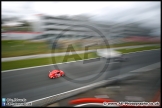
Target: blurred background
<point>32,28</point>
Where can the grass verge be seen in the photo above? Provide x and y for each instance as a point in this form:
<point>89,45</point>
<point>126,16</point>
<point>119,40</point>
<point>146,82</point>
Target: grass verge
<point>139,49</point>
<point>13,48</point>
<point>59,59</point>
<point>44,61</point>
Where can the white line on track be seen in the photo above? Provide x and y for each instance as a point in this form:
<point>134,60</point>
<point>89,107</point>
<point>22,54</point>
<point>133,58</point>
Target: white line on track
<point>64,62</point>
<point>142,51</point>
<point>45,65</point>
<point>101,82</point>
<point>148,68</point>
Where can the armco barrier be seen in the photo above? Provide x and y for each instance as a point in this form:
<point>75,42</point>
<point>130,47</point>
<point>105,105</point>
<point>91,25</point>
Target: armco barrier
<point>51,99</point>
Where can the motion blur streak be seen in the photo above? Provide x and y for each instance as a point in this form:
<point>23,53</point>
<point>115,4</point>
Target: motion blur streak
<point>37,84</point>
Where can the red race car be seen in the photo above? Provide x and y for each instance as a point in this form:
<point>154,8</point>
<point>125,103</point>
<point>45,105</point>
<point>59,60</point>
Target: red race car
<point>56,74</point>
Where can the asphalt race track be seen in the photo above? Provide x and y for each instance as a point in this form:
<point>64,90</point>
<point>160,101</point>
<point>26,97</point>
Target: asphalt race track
<point>34,83</point>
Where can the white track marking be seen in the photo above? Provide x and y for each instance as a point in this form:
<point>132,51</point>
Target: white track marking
<point>91,85</point>
<point>61,63</point>
<point>148,68</point>
<point>44,65</point>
